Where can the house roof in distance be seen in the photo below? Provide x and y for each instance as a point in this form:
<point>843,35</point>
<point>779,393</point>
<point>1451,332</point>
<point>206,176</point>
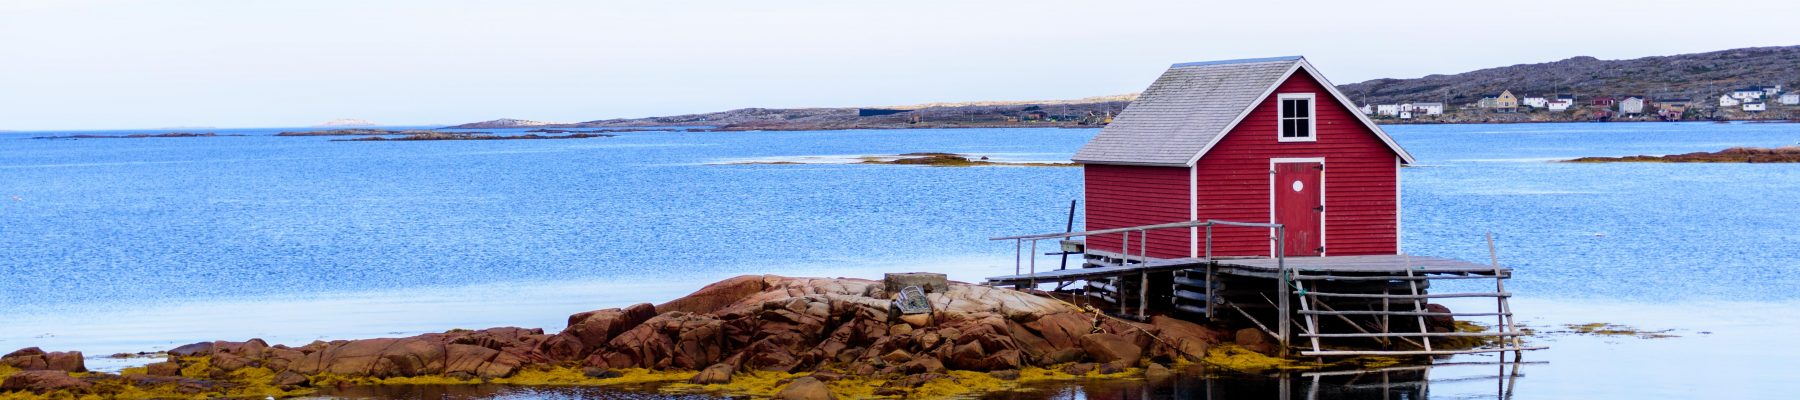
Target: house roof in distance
<point>1192,105</point>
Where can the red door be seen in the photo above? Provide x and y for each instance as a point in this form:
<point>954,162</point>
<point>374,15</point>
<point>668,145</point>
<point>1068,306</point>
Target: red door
<point>1298,206</point>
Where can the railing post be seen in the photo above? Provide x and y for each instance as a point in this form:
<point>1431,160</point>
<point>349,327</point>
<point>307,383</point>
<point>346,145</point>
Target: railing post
<point>1124,248</point>
<point>1281,268</point>
<point>1143,274</point>
<point>1209,225</point>
<point>1018,249</point>
<point>1144,247</point>
<point>1211,297</point>
<point>1034,263</point>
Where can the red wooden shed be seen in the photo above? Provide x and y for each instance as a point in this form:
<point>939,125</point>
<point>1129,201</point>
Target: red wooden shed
<point>1265,139</point>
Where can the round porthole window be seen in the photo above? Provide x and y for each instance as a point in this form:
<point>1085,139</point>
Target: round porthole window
<point>1298,186</point>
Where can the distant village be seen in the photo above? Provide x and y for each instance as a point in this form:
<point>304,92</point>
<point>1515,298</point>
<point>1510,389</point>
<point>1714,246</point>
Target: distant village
<point>1744,103</point>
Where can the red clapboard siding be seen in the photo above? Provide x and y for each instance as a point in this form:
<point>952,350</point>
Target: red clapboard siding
<point>1120,196</point>
<point>1361,204</point>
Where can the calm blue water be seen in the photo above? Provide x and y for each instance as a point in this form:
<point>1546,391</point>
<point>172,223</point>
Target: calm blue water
<point>124,221</point>
<point>142,244</point>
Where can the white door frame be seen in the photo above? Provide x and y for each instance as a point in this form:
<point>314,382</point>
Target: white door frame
<point>1297,160</point>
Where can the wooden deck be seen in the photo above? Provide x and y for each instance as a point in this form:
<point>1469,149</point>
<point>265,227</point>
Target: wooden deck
<point>1338,266</point>
<point>1147,264</point>
<point>1371,264</point>
<point>1378,304</point>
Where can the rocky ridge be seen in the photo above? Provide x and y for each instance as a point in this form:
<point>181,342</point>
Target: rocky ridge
<point>768,335</point>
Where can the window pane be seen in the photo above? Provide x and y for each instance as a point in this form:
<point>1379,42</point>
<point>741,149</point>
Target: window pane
<point>1287,108</point>
<point>1287,128</point>
<point>1302,128</point>
<point>1300,108</point>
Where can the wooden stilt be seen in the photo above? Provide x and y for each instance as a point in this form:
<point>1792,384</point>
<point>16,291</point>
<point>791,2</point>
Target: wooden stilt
<point>1419,306</point>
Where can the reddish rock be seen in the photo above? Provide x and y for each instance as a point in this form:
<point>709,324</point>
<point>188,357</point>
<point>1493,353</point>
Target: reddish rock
<point>467,359</point>
<point>289,378</point>
<point>922,365</point>
<point>34,359</point>
<point>1062,330</point>
<point>1079,369</point>
<point>897,356</point>
<point>1250,337</point>
<point>717,296</point>
<point>193,350</point>
<point>68,361</point>
<point>375,358</point>
<point>42,382</point>
<point>1157,372</point>
<point>590,330</point>
<point>1184,339</point>
<point>715,374</point>
<point>1439,323</point>
<point>1106,347</point>
<point>227,362</point>
<point>1063,355</point>
<point>805,388</point>
<point>1116,366</point>
<point>29,358</point>
<point>163,369</point>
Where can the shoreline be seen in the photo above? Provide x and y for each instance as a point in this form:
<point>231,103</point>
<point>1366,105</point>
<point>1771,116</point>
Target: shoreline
<point>762,332</point>
<point>1738,155</point>
<point>686,129</point>
<point>1550,317</point>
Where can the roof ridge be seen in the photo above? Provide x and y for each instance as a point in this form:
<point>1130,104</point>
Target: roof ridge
<point>1236,61</point>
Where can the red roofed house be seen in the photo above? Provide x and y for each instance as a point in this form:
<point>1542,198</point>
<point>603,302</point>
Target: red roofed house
<point>1253,140</point>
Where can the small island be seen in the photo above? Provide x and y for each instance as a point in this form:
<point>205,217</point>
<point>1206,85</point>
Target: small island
<point>364,132</point>
<point>137,136</point>
<point>933,159</point>
<point>470,136</point>
<point>1786,154</point>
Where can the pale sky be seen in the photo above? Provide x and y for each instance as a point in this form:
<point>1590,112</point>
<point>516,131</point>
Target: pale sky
<point>118,64</point>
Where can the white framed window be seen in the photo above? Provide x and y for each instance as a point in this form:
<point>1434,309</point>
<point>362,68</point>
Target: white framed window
<point>1296,117</point>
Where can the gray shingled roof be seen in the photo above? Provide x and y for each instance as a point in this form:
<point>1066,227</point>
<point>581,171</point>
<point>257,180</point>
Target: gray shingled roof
<point>1179,115</point>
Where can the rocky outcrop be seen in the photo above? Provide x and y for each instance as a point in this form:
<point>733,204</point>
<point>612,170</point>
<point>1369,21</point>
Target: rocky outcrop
<point>590,330</point>
<point>490,353</point>
<point>797,324</point>
<point>42,382</point>
<point>828,327</point>
<point>32,358</point>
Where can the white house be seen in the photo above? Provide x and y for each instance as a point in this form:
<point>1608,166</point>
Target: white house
<point>1631,105</point>
<point>1790,99</point>
<point>1755,106</point>
<point>1749,93</point>
<point>1771,91</point>
<point>1429,108</point>
<point>1728,101</point>
<point>1559,104</point>
<point>1387,109</point>
<point>1367,109</point>
<point>1406,113</point>
<point>1534,102</point>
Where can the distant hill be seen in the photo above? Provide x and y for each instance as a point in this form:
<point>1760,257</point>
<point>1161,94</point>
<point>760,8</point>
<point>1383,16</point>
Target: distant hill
<point>504,123</point>
<point>1696,76</point>
<point>1093,111</point>
<point>348,122</point>
<point>1701,77</point>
